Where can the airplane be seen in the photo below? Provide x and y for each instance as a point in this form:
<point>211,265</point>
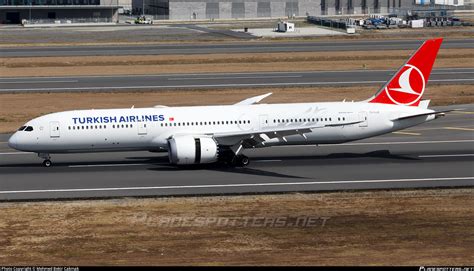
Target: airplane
<point>212,134</point>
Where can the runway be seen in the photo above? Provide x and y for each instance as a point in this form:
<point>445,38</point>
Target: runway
<point>221,80</point>
<point>227,48</point>
<point>436,154</point>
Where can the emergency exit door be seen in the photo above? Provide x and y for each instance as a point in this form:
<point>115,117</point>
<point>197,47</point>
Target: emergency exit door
<point>363,118</point>
<point>142,130</point>
<point>54,129</point>
<point>263,121</point>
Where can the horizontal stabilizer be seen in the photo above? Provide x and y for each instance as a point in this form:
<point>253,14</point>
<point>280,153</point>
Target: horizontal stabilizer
<point>436,113</point>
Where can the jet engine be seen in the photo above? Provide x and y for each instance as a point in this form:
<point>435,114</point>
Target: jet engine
<point>187,150</point>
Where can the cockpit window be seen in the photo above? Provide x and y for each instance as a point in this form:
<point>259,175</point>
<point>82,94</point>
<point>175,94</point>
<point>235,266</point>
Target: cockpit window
<point>29,129</point>
<point>21,128</point>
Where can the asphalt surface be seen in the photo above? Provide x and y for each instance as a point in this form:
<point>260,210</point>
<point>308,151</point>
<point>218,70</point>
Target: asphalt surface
<point>227,48</point>
<point>221,80</point>
<point>436,154</point>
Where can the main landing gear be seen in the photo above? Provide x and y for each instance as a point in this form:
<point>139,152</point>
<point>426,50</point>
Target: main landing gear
<point>228,157</point>
<point>241,160</point>
<point>46,162</point>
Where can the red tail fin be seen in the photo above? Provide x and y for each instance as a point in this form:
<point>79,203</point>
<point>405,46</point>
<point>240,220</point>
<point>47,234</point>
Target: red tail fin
<point>408,84</point>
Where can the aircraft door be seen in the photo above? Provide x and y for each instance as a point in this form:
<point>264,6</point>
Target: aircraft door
<point>364,118</point>
<point>142,130</point>
<point>263,120</point>
<point>54,129</point>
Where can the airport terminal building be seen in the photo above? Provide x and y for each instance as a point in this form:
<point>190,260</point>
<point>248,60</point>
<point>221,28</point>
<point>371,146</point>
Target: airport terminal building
<point>51,11</point>
<point>105,11</point>
<point>229,9</point>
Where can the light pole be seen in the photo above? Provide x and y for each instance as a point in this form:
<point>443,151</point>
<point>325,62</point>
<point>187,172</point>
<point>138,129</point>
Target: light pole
<point>143,7</point>
<point>29,17</point>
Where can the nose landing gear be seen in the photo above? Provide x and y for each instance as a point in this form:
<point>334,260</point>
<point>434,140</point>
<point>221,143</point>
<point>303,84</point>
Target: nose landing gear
<point>47,162</point>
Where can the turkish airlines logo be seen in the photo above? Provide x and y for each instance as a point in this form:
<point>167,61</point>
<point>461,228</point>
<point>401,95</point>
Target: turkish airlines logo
<point>410,88</point>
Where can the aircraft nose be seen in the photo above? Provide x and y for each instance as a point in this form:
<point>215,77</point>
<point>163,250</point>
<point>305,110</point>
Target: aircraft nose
<point>12,141</point>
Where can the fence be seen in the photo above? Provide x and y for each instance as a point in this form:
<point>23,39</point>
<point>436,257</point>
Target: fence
<point>68,21</point>
<point>333,23</point>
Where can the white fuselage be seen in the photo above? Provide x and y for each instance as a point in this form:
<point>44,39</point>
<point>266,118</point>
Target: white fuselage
<point>150,128</point>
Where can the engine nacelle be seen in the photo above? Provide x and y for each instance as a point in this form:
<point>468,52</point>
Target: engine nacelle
<point>187,150</point>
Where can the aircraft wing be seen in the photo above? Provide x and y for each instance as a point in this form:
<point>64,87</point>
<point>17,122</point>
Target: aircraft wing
<point>253,138</point>
<point>253,100</point>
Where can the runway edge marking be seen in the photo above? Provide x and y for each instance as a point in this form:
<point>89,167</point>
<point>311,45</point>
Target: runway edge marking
<point>229,185</point>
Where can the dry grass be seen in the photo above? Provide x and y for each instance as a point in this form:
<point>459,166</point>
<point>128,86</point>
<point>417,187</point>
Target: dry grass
<point>386,34</point>
<point>422,227</point>
<point>16,109</point>
<point>161,64</point>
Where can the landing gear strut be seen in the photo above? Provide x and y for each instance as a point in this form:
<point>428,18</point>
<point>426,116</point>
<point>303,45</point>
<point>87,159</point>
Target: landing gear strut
<point>47,162</point>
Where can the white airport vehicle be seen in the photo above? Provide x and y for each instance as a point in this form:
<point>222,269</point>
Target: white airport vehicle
<point>417,23</point>
<point>209,134</point>
<point>285,26</point>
